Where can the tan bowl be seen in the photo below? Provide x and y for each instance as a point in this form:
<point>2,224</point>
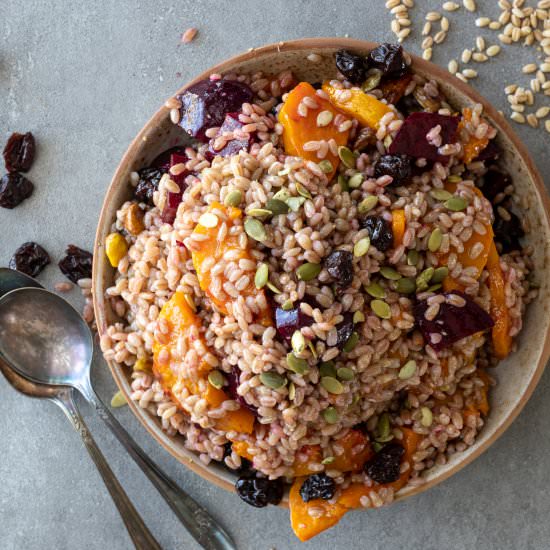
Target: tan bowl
<point>517,375</point>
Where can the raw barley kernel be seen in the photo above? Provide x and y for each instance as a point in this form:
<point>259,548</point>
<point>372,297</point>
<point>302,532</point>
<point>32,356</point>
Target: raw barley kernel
<point>518,108</point>
<point>493,50</point>
<point>529,68</point>
<point>403,33</point>
<point>479,57</point>
<point>408,3</point>
<point>452,66</point>
<point>541,77</point>
<point>427,42</point>
<point>532,120</point>
<point>535,85</point>
<point>495,25</point>
<point>482,21</point>
<point>390,4</point>
<point>427,54</point>
<point>440,37</point>
<point>426,29</point>
<point>466,56</point>
<point>504,39</point>
<point>450,6</point>
<point>404,22</point>
<point>542,112</point>
<point>547,126</point>
<point>470,5</point>
<point>480,43</point>
<point>510,89</point>
<point>433,16</point>
<point>469,73</point>
<point>398,10</point>
<point>530,97</point>
<point>444,24</point>
<point>504,17</point>
<point>395,26</point>
<point>518,117</point>
<point>545,67</point>
<point>460,76</point>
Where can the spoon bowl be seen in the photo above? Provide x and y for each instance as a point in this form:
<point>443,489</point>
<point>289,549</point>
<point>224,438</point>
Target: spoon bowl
<point>12,280</point>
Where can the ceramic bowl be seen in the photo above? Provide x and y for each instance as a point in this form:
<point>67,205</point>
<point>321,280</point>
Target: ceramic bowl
<point>517,375</point>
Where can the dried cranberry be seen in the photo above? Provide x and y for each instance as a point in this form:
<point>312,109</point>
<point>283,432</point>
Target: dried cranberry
<point>149,179</point>
<point>317,486</point>
<point>344,329</point>
<point>259,491</point>
<point>411,138</point>
<point>77,264</point>
<point>19,152</point>
<point>233,146</point>
<point>339,265</point>
<point>452,323</point>
<point>494,182</point>
<point>205,104</point>
<point>385,466</point>
<point>379,230</point>
<point>29,258</point>
<point>399,167</point>
<point>354,67</point>
<point>288,321</point>
<point>508,232</point>
<point>14,189</point>
<point>233,382</point>
<point>389,59</point>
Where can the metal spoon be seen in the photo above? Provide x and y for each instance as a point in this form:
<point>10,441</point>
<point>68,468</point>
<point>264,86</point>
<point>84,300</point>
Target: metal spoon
<point>45,340</point>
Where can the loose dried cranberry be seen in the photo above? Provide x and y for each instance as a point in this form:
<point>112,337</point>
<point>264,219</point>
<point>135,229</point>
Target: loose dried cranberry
<point>379,230</point>
<point>288,321</point>
<point>77,264</point>
<point>452,323</point>
<point>259,491</point>
<point>344,329</point>
<point>354,67</point>
<point>389,59</point>
<point>385,466</point>
<point>399,167</point>
<point>149,179</point>
<point>205,104</point>
<point>14,189</point>
<point>232,147</point>
<point>29,258</point>
<point>411,138</point>
<point>339,265</point>
<point>19,152</point>
<point>508,232</point>
<point>317,486</point>
<point>233,382</point>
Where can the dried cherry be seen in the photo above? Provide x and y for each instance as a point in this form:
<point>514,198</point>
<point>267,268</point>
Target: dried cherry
<point>77,264</point>
<point>399,167</point>
<point>339,265</point>
<point>259,491</point>
<point>19,152</point>
<point>389,59</point>
<point>30,258</point>
<point>379,230</point>
<point>354,67</point>
<point>318,486</point>
<point>385,466</point>
<point>14,189</point>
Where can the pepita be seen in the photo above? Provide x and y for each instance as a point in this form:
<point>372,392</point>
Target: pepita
<point>255,229</point>
<point>216,379</point>
<point>296,364</point>
<point>298,342</point>
<point>367,204</point>
<point>294,203</point>
<point>375,290</point>
<point>262,275</point>
<point>389,273</point>
<point>407,370</point>
<point>361,247</point>
<point>209,220</point>
<point>351,342</point>
<point>372,81</point>
<point>282,195</point>
<point>427,417</point>
<point>277,207</point>
<point>272,380</point>
<point>327,368</point>
<point>291,391</point>
<point>439,274</point>
<point>355,181</point>
<point>383,426</point>
<point>273,288</point>
<point>441,194</point>
<point>424,278</point>
<point>433,288</point>
<point>332,385</point>
<point>381,309</point>
<point>456,204</point>
<point>434,242</point>
<point>330,415</point>
<point>358,317</point>
<point>326,166</point>
<point>412,257</point>
<point>346,374</point>
<point>308,271</point>
<point>405,285</point>
<point>259,213</point>
<point>343,183</point>
<point>346,156</point>
<point>311,347</point>
<point>118,400</point>
<point>454,179</point>
<point>302,191</point>
<point>287,305</point>
<point>233,198</point>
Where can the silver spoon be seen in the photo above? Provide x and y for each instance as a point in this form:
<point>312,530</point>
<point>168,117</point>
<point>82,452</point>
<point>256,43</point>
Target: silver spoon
<point>63,397</point>
<point>44,338</point>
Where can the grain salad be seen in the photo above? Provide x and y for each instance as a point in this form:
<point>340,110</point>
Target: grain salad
<point>316,290</point>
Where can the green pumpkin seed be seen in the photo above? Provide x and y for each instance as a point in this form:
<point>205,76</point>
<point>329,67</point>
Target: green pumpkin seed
<point>328,460</point>
<point>262,275</point>
<point>291,391</point>
<point>216,379</point>
<point>324,118</point>
<point>377,447</point>
<point>308,271</point>
<point>407,370</point>
<point>412,257</point>
<point>381,309</point>
<point>282,195</point>
<point>355,181</point>
<point>433,288</point>
<point>441,194</point>
<point>332,385</point>
<point>367,204</point>
<point>361,247</point>
<point>346,156</point>
<point>277,207</point>
<point>294,203</point>
<point>424,278</point>
<point>298,342</point>
<point>456,204</point>
<point>345,374</point>
<point>118,400</point>
<point>259,213</point>
<point>351,342</point>
<point>375,290</point>
<point>454,179</point>
<point>389,273</point>
<point>434,242</point>
<point>327,368</point>
<point>287,305</point>
<point>439,274</point>
<point>385,439</point>
<point>272,380</point>
<point>330,415</point>
<point>405,285</point>
<point>273,288</point>
<point>358,317</point>
<point>255,229</point>
<point>343,183</point>
<point>383,426</point>
<point>372,81</point>
<point>233,198</point>
<point>302,191</point>
<point>325,166</point>
<point>296,364</point>
<point>312,348</point>
<point>427,417</point>
<point>209,220</point>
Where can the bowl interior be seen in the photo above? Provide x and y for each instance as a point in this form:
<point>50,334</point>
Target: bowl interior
<point>517,375</point>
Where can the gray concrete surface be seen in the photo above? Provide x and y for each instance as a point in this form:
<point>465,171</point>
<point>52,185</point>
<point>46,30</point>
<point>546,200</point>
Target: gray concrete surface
<point>84,77</point>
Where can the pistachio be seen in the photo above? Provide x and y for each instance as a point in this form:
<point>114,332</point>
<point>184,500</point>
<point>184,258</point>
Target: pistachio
<point>346,156</point>
<point>272,380</point>
<point>298,342</point>
<point>303,191</point>
<point>346,374</point>
<point>296,364</point>
<point>118,400</point>
<point>361,247</point>
<point>389,273</point>
<point>216,379</point>
<point>375,290</point>
<point>407,370</point>
<point>355,181</point>
<point>233,198</point>
<point>311,347</point>
<point>456,204</point>
<point>330,415</point>
<point>326,166</point>
<point>277,207</point>
<point>351,342</point>
<point>434,242</point>
<point>327,368</point>
<point>308,271</point>
<point>262,275</point>
<point>255,229</point>
<point>367,204</point>
<point>381,309</point>
<point>332,385</point>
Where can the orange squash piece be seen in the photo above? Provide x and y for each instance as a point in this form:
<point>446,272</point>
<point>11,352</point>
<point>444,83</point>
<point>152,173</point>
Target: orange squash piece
<point>357,450</point>
<point>308,454</point>
<point>502,341</point>
<point>398,224</point>
<point>473,147</point>
<point>365,108</point>
<point>183,322</point>
<point>298,130</point>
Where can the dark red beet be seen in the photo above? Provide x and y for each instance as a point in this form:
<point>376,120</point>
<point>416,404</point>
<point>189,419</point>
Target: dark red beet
<point>19,152</point>
<point>173,199</point>
<point>205,104</point>
<point>411,138</point>
<point>230,124</point>
<point>233,381</point>
<point>452,322</point>
<point>162,162</point>
<point>289,321</point>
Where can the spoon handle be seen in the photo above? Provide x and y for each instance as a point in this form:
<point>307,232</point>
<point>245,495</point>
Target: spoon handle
<point>200,524</point>
<point>142,538</point>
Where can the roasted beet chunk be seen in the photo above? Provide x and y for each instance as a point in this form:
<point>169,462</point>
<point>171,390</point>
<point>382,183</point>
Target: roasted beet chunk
<point>458,317</point>
<point>233,381</point>
<point>317,486</point>
<point>411,138</point>
<point>389,59</point>
<point>77,264</point>
<point>205,104</point>
<point>173,199</point>
<point>29,258</point>
<point>339,265</point>
<point>352,66</point>
<point>380,232</point>
<point>149,179</point>
<point>344,329</point>
<point>162,162</point>
<point>259,491</point>
<point>288,321</point>
<point>385,466</point>
<point>399,167</point>
<point>19,152</point>
<point>14,189</point>
<point>233,146</point>
<point>508,230</point>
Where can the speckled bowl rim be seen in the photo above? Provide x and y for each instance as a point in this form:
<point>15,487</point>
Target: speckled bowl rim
<point>101,269</point>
